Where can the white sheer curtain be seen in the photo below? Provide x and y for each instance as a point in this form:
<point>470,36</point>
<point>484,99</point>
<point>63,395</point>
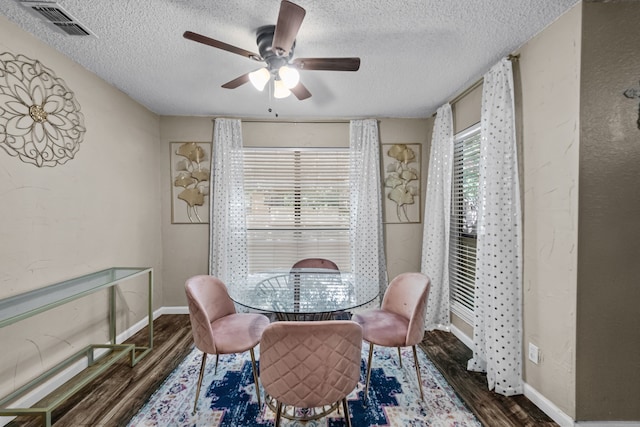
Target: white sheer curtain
<point>228,238</point>
<point>367,244</point>
<point>437,211</point>
<point>497,333</point>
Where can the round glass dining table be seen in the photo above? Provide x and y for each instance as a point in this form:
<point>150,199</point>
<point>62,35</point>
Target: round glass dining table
<point>305,293</point>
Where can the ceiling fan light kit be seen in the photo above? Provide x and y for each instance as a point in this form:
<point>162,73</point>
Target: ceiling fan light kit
<point>259,78</point>
<point>276,44</point>
<point>285,78</point>
<point>280,90</point>
<point>289,76</point>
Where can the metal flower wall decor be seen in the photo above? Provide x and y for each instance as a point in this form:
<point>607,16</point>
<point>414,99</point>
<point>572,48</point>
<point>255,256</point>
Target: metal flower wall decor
<point>190,178</point>
<point>40,119</point>
<point>401,164</point>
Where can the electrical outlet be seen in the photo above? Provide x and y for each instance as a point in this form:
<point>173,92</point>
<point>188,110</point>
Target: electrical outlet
<point>533,353</point>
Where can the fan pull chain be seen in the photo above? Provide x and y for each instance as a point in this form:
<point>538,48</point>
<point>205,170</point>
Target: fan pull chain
<point>271,100</point>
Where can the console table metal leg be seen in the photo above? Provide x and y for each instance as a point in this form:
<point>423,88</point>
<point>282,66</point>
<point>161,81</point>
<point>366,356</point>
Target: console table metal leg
<point>112,315</point>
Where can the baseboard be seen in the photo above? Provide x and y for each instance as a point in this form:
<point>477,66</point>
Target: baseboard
<point>548,407</point>
<point>46,388</point>
<point>607,423</point>
<point>462,336</point>
<point>172,310</point>
<point>530,393</point>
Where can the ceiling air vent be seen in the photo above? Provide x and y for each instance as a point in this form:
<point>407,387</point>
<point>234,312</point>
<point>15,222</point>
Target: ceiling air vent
<point>55,14</point>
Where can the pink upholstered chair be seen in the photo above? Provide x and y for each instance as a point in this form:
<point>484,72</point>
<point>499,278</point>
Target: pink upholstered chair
<point>315,263</point>
<point>310,364</point>
<point>399,322</point>
<point>217,328</point>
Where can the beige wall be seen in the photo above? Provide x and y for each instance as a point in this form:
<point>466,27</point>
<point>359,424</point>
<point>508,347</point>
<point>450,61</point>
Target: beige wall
<point>404,241</point>
<point>185,247</point>
<point>466,110</point>
<point>549,68</point>
<point>97,211</point>
<point>608,342</point>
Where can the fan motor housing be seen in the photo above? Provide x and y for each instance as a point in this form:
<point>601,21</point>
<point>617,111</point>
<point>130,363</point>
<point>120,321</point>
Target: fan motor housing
<point>264,40</point>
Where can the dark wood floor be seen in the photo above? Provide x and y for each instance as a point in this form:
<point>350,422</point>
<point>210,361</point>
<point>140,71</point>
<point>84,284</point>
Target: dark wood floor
<point>118,394</point>
<point>450,356</point>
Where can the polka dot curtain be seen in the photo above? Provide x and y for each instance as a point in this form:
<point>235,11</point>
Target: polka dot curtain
<point>497,335</point>
<point>366,237</point>
<point>228,241</point>
<point>435,241</point>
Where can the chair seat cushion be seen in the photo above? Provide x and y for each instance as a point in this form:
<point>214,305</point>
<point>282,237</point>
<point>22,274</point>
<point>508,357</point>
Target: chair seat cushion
<point>239,332</point>
<point>383,328</point>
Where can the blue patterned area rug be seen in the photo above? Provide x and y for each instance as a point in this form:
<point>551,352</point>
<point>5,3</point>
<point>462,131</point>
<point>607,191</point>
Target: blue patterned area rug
<point>228,397</point>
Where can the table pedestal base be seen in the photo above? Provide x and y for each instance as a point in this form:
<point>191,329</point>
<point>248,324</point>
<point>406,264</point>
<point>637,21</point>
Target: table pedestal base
<point>301,414</point>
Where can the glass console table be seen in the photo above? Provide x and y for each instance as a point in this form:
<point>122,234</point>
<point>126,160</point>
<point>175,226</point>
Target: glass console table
<point>22,306</point>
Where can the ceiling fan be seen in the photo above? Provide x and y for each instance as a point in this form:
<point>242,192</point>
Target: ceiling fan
<point>276,44</point>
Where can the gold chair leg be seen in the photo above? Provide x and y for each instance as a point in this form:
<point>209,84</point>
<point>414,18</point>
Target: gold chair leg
<point>255,375</point>
<point>400,357</point>
<point>204,361</point>
<point>415,358</point>
<point>347,416</point>
<point>278,414</point>
<point>215,370</point>
<point>366,387</point>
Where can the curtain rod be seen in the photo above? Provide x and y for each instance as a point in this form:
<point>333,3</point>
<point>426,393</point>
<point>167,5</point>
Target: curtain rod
<point>290,121</point>
<point>298,122</point>
<point>478,82</point>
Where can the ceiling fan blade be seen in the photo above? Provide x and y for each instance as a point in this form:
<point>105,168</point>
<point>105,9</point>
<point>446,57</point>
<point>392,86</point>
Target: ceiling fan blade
<point>301,92</point>
<point>327,64</point>
<point>220,45</point>
<point>289,21</point>
<point>236,82</point>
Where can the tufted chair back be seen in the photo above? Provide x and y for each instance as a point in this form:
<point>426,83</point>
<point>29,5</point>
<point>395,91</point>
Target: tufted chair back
<point>310,364</point>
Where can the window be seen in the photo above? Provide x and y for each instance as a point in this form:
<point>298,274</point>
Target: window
<point>464,216</point>
<point>297,206</point>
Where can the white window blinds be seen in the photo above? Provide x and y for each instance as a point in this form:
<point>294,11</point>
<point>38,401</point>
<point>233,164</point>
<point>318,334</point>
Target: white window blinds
<point>297,206</point>
<point>464,202</point>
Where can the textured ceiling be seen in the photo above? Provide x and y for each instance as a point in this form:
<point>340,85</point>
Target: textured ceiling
<point>416,54</point>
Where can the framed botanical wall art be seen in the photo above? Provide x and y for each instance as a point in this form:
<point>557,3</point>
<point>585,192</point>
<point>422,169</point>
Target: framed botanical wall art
<point>401,168</point>
<point>190,172</point>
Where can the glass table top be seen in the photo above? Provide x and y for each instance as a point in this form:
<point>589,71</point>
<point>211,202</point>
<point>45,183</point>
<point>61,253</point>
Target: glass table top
<point>29,303</point>
<point>303,291</point>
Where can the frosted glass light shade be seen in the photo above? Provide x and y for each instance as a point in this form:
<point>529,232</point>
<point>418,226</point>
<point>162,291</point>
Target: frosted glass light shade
<point>280,90</point>
<point>259,78</point>
<point>290,76</point>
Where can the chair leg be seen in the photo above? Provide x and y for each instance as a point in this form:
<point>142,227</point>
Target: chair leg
<point>204,361</point>
<point>366,387</point>
<point>400,357</point>
<point>215,370</point>
<point>415,358</point>
<point>278,414</point>
<point>347,416</point>
<point>255,375</point>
